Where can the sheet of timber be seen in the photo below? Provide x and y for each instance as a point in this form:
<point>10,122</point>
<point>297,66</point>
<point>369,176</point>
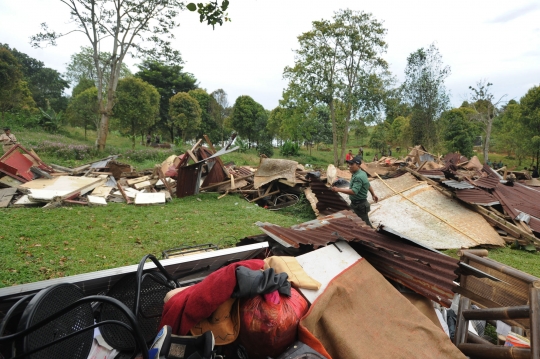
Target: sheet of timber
<point>463,227</point>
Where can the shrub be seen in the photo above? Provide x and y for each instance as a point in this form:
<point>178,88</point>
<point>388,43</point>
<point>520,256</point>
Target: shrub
<point>243,145</point>
<point>265,148</point>
<point>290,148</point>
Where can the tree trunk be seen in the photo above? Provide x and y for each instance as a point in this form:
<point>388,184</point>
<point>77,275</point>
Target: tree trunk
<point>85,131</point>
<point>486,141</point>
<point>334,132</point>
<point>345,136</point>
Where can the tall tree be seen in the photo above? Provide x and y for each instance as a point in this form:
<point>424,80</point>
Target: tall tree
<point>530,114</point>
<point>459,132</point>
<point>425,92</point>
<point>46,85</point>
<point>485,107</point>
<point>249,118</point>
<point>83,109</point>
<point>126,25</point>
<point>337,60</point>
<point>209,124</point>
<point>221,111</point>
<point>137,106</point>
<point>168,79</point>
<point>185,114</point>
<point>511,134</point>
<point>14,92</point>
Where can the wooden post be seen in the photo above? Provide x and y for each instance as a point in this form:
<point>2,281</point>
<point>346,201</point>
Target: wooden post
<point>534,293</point>
<point>494,351</point>
<point>462,328</point>
<point>166,183</point>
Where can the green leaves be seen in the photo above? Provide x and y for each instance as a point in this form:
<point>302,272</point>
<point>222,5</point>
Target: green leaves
<point>211,12</point>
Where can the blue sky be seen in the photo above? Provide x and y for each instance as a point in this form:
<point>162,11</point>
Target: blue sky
<point>479,39</point>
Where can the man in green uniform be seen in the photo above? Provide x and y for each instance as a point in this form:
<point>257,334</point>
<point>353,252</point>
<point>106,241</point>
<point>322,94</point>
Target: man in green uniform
<point>358,189</point>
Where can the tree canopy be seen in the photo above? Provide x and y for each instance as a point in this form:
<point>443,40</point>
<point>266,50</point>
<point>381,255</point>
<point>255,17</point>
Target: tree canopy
<point>340,60</point>
<point>185,113</point>
<point>14,91</point>
<point>168,79</point>
<point>137,106</point>
<point>425,92</point>
<point>83,109</point>
<point>249,118</point>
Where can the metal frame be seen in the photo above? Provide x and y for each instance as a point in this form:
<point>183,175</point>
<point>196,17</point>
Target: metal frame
<point>528,312</point>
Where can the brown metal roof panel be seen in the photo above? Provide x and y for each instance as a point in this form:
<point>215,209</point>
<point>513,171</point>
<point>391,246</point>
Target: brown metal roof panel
<point>487,182</point>
<point>476,196</point>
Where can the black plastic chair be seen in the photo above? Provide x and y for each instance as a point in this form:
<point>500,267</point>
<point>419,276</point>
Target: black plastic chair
<point>58,322</point>
<point>143,293</point>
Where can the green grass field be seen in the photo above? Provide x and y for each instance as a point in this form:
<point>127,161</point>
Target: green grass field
<point>38,244</point>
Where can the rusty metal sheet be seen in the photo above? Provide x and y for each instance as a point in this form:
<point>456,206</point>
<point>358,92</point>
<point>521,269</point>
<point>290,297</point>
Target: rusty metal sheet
<point>188,180</point>
<point>476,196</point>
<point>215,175</point>
<point>438,174</point>
<point>435,220</point>
<point>325,201</point>
<point>487,182</point>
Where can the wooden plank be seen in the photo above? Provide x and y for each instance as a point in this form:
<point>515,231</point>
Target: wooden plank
<point>224,182</point>
<point>144,184</point>
<point>164,180</point>
<point>133,181</point>
<point>192,156</point>
<point>10,181</point>
<point>62,168</point>
<point>6,195</point>
<point>126,198</point>
<point>265,195</point>
<point>196,145</point>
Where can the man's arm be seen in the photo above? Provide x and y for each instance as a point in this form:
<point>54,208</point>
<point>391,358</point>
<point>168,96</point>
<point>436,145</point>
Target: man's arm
<point>375,198</point>
<point>342,190</point>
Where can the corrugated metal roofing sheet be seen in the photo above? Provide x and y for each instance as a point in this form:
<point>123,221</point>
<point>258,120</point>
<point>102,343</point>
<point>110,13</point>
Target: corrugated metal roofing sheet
<point>426,272</point>
<point>328,202</point>
<point>432,174</point>
<point>458,184</point>
<point>487,182</point>
<point>477,196</point>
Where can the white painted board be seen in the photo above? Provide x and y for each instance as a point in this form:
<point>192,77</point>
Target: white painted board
<point>324,264</point>
<point>25,201</point>
<point>150,198</point>
<point>97,201</point>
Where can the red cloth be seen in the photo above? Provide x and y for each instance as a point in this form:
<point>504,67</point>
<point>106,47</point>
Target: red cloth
<point>198,302</point>
<point>349,157</point>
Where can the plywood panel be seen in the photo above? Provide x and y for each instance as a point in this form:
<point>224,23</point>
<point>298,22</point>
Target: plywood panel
<point>422,221</point>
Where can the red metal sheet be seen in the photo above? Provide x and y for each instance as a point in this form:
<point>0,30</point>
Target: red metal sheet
<point>22,164</point>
